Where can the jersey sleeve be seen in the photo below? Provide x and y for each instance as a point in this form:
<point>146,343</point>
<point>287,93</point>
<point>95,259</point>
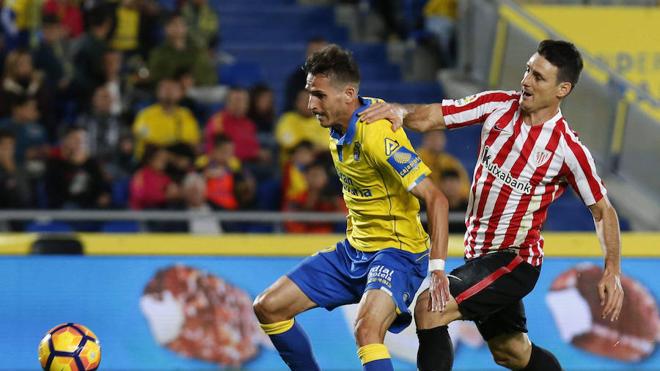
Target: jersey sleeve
<point>392,153</point>
<point>475,108</point>
<point>581,171</point>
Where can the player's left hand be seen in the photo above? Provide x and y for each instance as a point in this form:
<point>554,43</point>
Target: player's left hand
<point>388,111</point>
<point>439,291</point>
<point>611,294</point>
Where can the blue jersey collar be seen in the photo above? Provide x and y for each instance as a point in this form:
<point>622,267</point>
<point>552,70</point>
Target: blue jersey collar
<point>347,138</point>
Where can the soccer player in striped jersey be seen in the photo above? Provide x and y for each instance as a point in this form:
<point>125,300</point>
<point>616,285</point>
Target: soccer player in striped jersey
<point>527,158</point>
<point>384,258</point>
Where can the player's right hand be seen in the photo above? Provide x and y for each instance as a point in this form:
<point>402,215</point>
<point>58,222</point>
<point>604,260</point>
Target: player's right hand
<point>439,291</point>
<point>389,111</point>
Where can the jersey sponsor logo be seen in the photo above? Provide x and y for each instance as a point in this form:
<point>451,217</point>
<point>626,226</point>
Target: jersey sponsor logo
<point>349,187</point>
<point>390,146</point>
<point>504,175</point>
<point>541,157</point>
<point>380,274</point>
<point>404,161</point>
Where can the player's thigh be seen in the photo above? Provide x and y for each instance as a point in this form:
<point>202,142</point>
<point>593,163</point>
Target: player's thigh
<point>376,313</point>
<point>281,301</point>
<point>426,319</point>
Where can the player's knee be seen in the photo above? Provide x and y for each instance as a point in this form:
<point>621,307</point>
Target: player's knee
<point>368,331</point>
<point>425,319</point>
<point>512,354</point>
<point>265,307</point>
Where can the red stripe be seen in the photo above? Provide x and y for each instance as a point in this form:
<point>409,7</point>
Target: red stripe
<point>491,97</point>
<point>475,289</point>
<point>583,160</point>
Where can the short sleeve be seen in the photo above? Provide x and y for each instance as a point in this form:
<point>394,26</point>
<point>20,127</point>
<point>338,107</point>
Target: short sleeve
<point>475,108</point>
<point>581,171</point>
<point>392,152</point>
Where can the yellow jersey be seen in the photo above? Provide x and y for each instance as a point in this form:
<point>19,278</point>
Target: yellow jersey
<point>378,168</point>
<point>153,125</point>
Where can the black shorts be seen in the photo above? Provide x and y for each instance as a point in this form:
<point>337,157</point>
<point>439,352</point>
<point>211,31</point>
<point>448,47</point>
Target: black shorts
<point>489,291</point>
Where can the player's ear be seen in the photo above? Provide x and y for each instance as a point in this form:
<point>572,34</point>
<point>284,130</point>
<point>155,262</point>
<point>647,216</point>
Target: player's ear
<point>563,89</point>
<point>350,92</point>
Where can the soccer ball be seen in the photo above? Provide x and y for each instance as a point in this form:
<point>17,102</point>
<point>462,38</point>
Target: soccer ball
<point>70,347</point>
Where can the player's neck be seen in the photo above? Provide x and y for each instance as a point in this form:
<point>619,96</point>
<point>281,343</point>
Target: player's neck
<point>539,117</point>
<point>342,125</point>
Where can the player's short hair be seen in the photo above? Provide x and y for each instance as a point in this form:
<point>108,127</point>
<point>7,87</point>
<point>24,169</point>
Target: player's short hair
<point>565,56</point>
<point>335,63</point>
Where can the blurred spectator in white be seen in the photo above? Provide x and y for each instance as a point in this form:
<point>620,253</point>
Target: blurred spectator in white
<point>150,186</point>
<point>440,20</point>
<point>14,188</point>
<point>234,123</point>
<point>434,156</point>
<point>74,180</point>
<point>296,80</point>
<point>177,53</point>
<point>166,122</point>
<point>202,21</point>
<point>112,62</point>
<point>31,144</point>
<point>194,191</point>
<point>300,125</point>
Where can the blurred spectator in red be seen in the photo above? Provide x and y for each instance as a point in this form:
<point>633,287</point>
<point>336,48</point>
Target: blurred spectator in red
<point>69,14</point>
<point>293,175</point>
<point>22,80</point>
<point>300,125</point>
<point>74,180</point>
<point>233,122</point>
<point>194,190</point>
<point>166,122</point>
<point>105,129</point>
<point>434,156</point>
<point>14,188</point>
<point>262,108</point>
<point>177,53</point>
<point>125,37</point>
<point>50,55</point>
<point>315,198</point>
<point>150,187</point>
<point>202,21</point>
<point>31,144</point>
<point>297,79</point>
<point>222,173</point>
<point>88,55</point>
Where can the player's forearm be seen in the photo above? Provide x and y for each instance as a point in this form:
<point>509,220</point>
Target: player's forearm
<point>423,117</point>
<point>609,235</point>
<point>438,216</point>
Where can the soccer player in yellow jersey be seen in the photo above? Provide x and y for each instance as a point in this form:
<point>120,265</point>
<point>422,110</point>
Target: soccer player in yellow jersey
<point>384,258</point>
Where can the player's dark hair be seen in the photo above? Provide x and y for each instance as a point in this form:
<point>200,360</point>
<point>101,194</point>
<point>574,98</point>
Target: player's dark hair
<point>334,62</point>
<point>565,56</point>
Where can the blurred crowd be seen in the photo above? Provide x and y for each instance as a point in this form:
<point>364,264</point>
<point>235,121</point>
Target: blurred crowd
<point>116,105</point>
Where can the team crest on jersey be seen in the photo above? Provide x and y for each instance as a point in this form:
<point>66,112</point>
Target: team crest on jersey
<point>541,157</point>
<point>466,100</point>
<point>390,146</point>
<point>357,151</point>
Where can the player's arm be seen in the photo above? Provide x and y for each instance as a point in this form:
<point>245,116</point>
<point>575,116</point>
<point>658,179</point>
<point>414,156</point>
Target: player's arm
<point>418,117</point>
<point>438,214</point>
<point>609,235</point>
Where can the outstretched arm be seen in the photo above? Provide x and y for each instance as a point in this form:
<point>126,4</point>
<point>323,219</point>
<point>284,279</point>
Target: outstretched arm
<point>437,209</point>
<point>418,117</point>
<point>609,235</point>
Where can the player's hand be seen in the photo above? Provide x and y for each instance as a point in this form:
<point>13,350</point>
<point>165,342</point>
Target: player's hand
<point>611,294</point>
<point>439,291</point>
<point>392,112</point>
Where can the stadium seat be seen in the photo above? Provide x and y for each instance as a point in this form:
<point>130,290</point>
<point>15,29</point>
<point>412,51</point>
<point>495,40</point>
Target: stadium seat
<point>48,227</point>
<point>243,74</point>
<point>121,226</point>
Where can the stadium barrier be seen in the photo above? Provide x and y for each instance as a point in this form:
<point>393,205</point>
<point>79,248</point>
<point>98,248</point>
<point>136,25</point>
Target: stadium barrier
<point>166,302</point>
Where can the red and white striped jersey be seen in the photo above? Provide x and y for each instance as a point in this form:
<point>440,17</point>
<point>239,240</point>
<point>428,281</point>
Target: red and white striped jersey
<point>521,169</point>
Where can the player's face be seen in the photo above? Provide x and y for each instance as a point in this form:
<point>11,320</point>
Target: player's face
<point>326,101</point>
<point>540,87</point>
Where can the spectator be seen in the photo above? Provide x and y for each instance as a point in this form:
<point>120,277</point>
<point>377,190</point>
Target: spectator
<point>22,80</point>
<point>315,198</point>
<point>112,62</point>
<point>50,55</point>
<point>222,175</point>
<point>74,180</point>
<point>14,188</point>
<point>105,129</point>
<point>181,161</point>
<point>202,21</point>
<point>165,123</point>
<point>452,187</point>
<point>194,190</point>
<point>69,15</point>
<point>233,122</point>
<point>150,186</point>
<point>440,20</point>
<point>88,55</point>
<point>434,156</point>
<point>177,53</point>
<point>297,79</point>
<point>125,37</point>
<point>300,125</point>
<point>293,178</point>
<point>31,144</point>
<point>262,108</point>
